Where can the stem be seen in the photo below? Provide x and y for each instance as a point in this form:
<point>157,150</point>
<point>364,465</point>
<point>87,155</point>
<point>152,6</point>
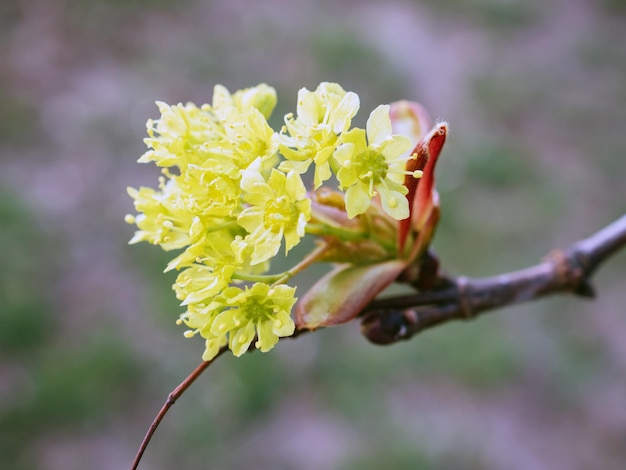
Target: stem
<point>347,235</point>
<point>265,278</point>
<point>302,265</point>
<point>564,271</point>
<point>338,232</point>
<point>281,278</point>
<point>171,399</point>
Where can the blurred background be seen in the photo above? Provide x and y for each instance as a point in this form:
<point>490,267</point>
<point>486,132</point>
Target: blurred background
<point>535,93</point>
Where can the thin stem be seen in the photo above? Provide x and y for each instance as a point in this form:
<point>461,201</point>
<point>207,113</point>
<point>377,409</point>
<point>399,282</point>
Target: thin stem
<point>171,399</point>
<point>338,232</point>
<point>302,265</point>
<point>347,235</point>
<point>281,278</point>
<point>266,278</point>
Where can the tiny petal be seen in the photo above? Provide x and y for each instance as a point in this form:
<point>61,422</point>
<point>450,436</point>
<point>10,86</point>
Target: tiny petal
<point>357,201</point>
<point>379,125</point>
<point>394,203</point>
<point>240,342</point>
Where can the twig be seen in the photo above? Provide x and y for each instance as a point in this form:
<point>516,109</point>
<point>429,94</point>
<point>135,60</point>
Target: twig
<point>171,399</point>
<point>565,271</point>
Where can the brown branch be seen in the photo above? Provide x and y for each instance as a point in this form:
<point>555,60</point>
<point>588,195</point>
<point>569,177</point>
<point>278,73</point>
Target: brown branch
<point>564,271</point>
<point>171,399</point>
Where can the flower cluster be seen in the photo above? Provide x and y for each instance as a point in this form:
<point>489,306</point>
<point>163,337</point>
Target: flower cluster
<point>232,194</point>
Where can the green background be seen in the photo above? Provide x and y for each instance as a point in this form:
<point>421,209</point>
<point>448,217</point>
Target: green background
<point>535,94</point>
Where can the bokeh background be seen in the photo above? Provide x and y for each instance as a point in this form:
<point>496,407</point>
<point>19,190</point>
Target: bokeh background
<point>535,93</point>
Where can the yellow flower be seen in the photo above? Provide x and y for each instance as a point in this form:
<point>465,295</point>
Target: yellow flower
<point>238,315</point>
<point>198,283</point>
<point>322,115</point>
<point>248,137</point>
<point>161,220</point>
<point>200,318</point>
<point>186,213</point>
<point>376,162</point>
<point>209,193</point>
<point>261,97</point>
<point>209,147</point>
<point>277,208</point>
<point>260,310</point>
<point>223,138</point>
<point>177,135</point>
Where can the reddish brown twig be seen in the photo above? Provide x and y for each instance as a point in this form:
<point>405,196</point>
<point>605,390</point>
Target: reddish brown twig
<point>171,399</point>
<point>565,271</point>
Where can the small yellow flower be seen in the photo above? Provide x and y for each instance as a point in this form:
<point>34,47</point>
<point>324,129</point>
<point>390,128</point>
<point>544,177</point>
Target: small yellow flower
<point>200,317</point>
<point>209,193</point>
<point>248,137</point>
<point>260,310</point>
<point>161,220</point>
<point>178,134</point>
<point>322,115</point>
<point>277,208</point>
<point>198,283</point>
<point>261,97</point>
<point>185,216</point>
<point>372,163</point>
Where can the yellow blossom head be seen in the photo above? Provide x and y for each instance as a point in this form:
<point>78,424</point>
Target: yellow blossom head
<point>232,193</point>
<point>277,208</point>
<point>322,115</point>
<point>374,161</point>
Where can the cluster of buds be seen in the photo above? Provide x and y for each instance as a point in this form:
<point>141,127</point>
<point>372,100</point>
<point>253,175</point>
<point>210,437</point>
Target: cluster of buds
<point>232,194</point>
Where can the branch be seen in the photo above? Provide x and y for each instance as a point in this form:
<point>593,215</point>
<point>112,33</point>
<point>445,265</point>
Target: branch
<point>171,399</point>
<point>564,271</point>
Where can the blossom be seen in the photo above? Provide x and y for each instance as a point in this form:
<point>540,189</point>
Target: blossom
<point>277,208</point>
<point>374,160</point>
<point>322,115</point>
<point>248,136</point>
<point>227,203</point>
<point>261,97</point>
<point>176,137</point>
<point>260,310</point>
<point>161,221</point>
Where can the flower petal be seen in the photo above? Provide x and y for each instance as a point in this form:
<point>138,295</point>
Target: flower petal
<point>267,339</point>
<point>357,201</point>
<point>379,125</point>
<point>346,110</point>
<point>240,341</point>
